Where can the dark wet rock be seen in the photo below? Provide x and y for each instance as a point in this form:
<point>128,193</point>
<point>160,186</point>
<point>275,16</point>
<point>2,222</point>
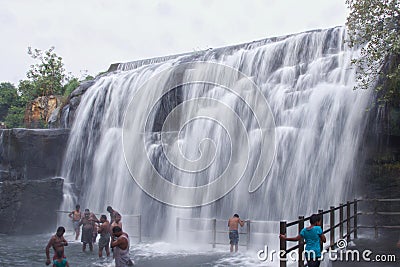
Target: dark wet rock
<point>28,154</point>
<point>28,207</point>
<point>67,115</point>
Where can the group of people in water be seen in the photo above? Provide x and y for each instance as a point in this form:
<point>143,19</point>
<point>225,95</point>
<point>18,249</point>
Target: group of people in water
<point>111,236</point>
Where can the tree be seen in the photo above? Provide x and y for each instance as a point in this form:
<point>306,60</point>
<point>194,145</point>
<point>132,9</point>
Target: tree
<point>15,117</point>
<point>374,25</point>
<point>71,85</point>
<point>8,97</point>
<point>48,75</point>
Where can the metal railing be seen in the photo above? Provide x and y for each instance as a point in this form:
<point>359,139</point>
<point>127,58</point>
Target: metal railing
<point>134,229</point>
<point>347,220</point>
<point>377,203</point>
<point>213,229</point>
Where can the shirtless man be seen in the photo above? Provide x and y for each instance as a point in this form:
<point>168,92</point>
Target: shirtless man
<point>121,248</point>
<point>116,223</point>
<point>95,227</point>
<point>113,214</point>
<point>104,231</point>
<point>58,243</point>
<point>233,225</point>
<point>87,230</point>
<point>76,216</point>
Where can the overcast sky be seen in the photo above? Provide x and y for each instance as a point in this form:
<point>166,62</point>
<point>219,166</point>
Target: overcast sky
<point>92,34</point>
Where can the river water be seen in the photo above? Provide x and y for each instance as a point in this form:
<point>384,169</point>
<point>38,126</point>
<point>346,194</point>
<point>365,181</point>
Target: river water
<point>29,251</point>
<point>24,251</point>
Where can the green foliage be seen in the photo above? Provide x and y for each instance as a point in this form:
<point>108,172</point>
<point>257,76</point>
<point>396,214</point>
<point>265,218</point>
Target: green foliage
<point>26,91</point>
<point>8,98</point>
<point>15,117</point>
<point>88,78</point>
<point>48,75</point>
<point>71,85</point>
<point>374,25</point>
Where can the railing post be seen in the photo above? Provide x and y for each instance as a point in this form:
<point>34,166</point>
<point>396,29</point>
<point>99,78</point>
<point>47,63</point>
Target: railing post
<point>341,220</point>
<point>355,218</point>
<point>348,219</point>
<point>332,225</point>
<point>282,246</point>
<point>140,227</point>
<point>248,234</point>
<point>214,233</point>
<point>320,212</point>
<point>177,228</point>
<point>301,242</point>
<point>322,218</point>
<point>375,217</point>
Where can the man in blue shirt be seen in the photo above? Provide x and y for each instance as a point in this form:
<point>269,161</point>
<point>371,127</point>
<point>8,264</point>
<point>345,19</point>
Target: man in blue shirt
<point>313,236</point>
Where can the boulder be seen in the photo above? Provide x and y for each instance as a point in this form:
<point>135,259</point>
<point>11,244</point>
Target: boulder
<point>28,207</point>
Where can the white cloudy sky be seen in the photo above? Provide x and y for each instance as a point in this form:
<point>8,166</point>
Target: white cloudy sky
<point>92,34</point>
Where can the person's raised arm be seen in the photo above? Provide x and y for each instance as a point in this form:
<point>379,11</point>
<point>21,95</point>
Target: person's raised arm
<point>241,222</point>
<point>323,238</point>
<point>94,218</point>
<point>117,242</point>
<point>100,229</point>
<point>70,214</point>
<point>297,238</point>
<point>65,243</point>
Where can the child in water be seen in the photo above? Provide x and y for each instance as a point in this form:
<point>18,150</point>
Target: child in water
<point>60,261</point>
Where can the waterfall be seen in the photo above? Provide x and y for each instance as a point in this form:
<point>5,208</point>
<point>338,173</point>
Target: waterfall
<point>306,79</point>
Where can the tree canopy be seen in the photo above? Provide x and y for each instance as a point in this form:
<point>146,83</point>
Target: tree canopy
<point>48,75</point>
<point>374,25</point>
<point>8,97</point>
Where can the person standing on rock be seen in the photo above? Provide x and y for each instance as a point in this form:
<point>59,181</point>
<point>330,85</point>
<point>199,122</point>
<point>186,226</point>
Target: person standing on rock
<point>76,216</point>
<point>58,243</point>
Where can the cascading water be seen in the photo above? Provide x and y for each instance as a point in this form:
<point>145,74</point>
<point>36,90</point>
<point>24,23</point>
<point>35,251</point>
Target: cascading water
<point>307,80</point>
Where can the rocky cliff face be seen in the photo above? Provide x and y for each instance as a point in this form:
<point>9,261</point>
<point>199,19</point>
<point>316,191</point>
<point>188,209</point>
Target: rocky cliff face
<point>40,110</point>
<point>28,207</point>
<point>29,192</point>
<point>67,114</point>
<point>31,154</point>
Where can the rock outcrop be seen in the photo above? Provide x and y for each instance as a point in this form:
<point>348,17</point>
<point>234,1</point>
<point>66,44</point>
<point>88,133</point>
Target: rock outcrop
<point>67,115</point>
<point>31,154</point>
<point>30,159</point>
<point>39,111</point>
